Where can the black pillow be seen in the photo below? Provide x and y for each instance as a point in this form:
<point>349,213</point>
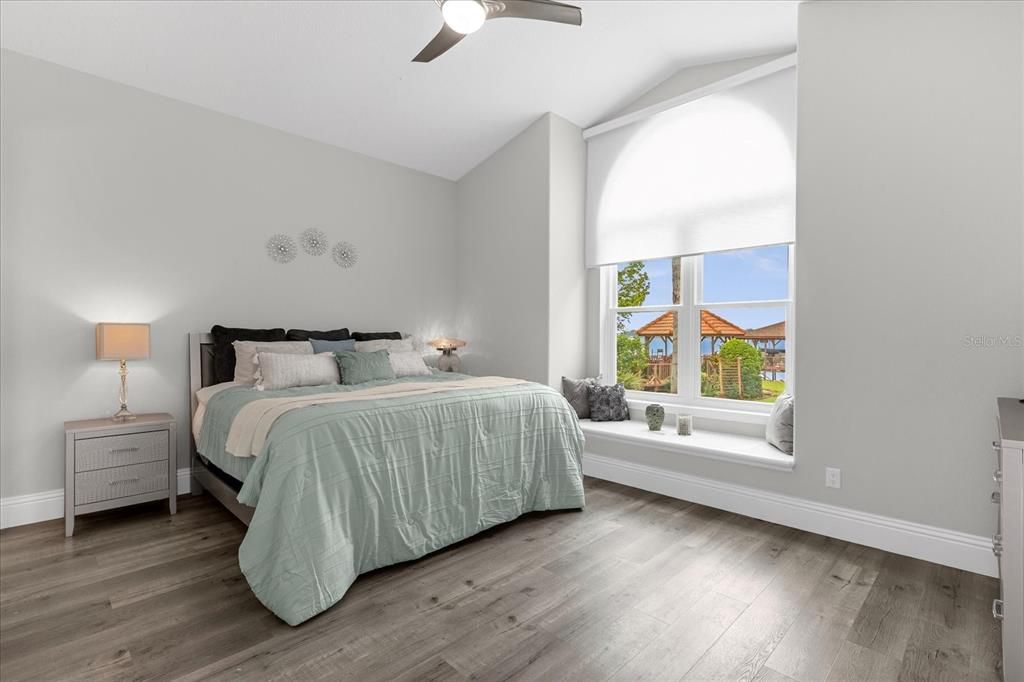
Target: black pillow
<point>305,335</point>
<point>376,336</point>
<point>224,352</point>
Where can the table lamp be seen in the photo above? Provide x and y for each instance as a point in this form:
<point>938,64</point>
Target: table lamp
<point>123,342</point>
<point>449,361</point>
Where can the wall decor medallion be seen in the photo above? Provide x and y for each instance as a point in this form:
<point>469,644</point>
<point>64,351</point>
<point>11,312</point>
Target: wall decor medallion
<point>281,248</point>
<point>344,254</point>
<point>313,241</point>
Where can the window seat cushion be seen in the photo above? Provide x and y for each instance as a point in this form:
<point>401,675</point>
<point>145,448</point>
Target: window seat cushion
<point>729,447</point>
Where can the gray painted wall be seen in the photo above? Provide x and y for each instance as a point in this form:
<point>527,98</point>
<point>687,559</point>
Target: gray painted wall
<point>909,229</point>
<point>522,283</point>
<point>120,205</point>
<point>909,236</point>
<point>502,256</point>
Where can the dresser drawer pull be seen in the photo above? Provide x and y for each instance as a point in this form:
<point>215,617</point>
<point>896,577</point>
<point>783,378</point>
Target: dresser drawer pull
<point>996,498</point>
<point>123,451</point>
<point>125,480</point>
<point>997,609</point>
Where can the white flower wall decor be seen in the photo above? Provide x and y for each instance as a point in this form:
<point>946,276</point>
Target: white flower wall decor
<point>345,254</point>
<point>314,241</point>
<point>281,248</point>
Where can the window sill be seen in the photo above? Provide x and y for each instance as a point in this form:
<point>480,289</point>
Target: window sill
<point>756,415</point>
<point>726,447</point>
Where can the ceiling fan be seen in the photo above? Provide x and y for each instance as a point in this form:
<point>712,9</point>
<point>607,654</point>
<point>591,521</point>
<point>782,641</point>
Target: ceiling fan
<point>462,17</point>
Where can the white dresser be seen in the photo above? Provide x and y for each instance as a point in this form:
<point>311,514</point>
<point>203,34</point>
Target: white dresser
<point>1008,544</point>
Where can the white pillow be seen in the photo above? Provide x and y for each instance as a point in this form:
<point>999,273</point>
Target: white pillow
<point>779,431</point>
<point>245,355</point>
<point>281,370</point>
<point>408,364</point>
<point>390,345</point>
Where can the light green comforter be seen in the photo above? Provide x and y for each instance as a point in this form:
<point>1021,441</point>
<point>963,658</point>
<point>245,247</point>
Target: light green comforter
<point>344,488</point>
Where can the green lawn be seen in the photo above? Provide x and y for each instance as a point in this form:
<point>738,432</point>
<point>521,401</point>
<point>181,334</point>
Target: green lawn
<point>772,390</point>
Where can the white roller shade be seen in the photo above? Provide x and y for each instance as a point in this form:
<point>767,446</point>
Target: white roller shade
<point>714,174</point>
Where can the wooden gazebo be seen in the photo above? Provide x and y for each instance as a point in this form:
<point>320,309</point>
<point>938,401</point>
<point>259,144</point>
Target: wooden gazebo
<point>712,326</point>
<point>768,338</point>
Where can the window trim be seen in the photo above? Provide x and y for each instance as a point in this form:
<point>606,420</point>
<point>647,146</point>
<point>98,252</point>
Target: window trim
<point>687,328</point>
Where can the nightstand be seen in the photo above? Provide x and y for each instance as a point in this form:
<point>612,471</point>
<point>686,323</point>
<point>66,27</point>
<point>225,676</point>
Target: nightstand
<point>112,464</point>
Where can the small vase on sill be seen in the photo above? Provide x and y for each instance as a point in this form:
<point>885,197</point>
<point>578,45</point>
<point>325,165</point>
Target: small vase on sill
<point>655,415</point>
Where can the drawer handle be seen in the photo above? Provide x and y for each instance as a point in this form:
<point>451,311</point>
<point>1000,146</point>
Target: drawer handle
<point>124,480</point>
<point>997,609</point>
<point>119,451</point>
<point>996,498</point>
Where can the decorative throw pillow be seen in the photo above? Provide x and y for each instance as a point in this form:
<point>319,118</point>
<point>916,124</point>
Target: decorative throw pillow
<point>322,346</point>
<point>390,345</point>
<point>576,392</point>
<point>374,336</point>
<point>245,356</point>
<point>779,431</point>
<point>408,364</point>
<point>607,403</point>
<point>279,370</point>
<point>358,368</point>
<point>224,352</point>
<point>305,335</point>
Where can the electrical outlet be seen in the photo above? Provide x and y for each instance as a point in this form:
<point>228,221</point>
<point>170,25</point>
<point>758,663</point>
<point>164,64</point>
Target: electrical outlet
<point>832,478</point>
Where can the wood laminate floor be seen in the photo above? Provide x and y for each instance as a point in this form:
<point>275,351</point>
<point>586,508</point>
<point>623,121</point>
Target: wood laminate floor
<point>637,586</point>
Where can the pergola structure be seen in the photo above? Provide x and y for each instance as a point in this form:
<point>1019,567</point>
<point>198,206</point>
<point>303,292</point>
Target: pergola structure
<point>712,326</point>
<point>769,337</point>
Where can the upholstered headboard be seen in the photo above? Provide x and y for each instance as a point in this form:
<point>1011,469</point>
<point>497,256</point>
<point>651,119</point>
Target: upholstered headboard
<point>200,365</point>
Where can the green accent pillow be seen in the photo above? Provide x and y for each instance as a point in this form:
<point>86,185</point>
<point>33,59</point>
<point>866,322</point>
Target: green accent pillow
<point>358,368</point>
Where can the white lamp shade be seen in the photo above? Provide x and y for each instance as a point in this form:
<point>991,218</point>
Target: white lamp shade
<point>119,341</point>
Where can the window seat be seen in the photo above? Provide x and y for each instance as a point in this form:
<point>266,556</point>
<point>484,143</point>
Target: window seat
<point>728,447</point>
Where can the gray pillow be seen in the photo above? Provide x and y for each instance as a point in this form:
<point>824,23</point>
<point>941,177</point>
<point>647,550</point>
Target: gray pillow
<point>575,391</point>
<point>779,431</point>
<point>358,368</point>
<point>329,346</point>
<point>608,403</point>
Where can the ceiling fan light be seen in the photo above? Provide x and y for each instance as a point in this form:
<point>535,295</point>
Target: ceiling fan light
<point>463,16</point>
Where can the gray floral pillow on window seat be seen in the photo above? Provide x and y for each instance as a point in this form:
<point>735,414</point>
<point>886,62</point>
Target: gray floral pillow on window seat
<point>607,403</point>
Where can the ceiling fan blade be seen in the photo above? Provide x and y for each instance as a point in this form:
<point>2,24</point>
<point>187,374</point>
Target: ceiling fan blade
<point>543,10</point>
<point>445,39</point>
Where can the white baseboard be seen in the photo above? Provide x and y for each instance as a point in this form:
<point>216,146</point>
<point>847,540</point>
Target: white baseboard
<point>24,509</point>
<point>939,545</point>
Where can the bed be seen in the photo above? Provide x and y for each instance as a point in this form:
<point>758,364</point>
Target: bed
<point>334,481</point>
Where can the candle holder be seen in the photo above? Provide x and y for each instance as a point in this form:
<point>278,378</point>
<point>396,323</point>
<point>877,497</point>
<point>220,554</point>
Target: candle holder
<point>684,425</point>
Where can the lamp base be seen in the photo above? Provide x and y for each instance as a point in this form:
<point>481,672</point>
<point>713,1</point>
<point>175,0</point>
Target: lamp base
<point>123,415</point>
<point>449,361</point>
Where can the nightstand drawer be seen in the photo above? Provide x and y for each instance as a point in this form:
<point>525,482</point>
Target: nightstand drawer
<point>109,484</point>
<point>116,451</point>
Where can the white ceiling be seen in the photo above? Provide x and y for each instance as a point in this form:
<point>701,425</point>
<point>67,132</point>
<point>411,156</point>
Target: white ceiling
<point>340,72</point>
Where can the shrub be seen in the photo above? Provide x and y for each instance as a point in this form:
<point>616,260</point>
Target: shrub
<point>751,360</point>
